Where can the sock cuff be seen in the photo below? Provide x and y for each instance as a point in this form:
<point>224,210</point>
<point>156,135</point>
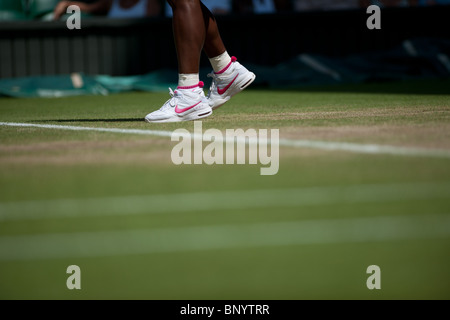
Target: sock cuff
<point>220,62</point>
<point>233,59</point>
<point>200,84</point>
<point>188,80</point>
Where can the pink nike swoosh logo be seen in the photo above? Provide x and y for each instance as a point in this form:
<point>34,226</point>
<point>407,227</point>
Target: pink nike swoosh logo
<point>222,91</point>
<point>178,110</point>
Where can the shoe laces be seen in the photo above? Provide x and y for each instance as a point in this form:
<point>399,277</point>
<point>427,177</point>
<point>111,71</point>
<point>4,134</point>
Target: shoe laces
<point>172,102</point>
<point>213,83</point>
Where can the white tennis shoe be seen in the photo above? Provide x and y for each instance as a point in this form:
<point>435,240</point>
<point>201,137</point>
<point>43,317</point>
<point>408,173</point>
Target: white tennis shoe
<point>185,104</point>
<point>228,82</point>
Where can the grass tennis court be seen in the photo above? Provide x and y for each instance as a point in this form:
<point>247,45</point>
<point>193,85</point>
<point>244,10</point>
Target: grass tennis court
<point>140,227</point>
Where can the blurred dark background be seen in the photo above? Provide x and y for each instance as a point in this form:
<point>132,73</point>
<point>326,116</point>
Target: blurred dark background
<point>33,42</point>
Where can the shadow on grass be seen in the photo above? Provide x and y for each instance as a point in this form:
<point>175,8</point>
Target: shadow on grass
<point>94,120</point>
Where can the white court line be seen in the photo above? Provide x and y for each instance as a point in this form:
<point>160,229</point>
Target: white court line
<point>217,237</point>
<point>158,133</point>
<point>314,144</point>
<point>220,200</point>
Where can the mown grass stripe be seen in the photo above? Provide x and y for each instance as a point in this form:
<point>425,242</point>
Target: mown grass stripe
<point>220,200</point>
<point>288,233</point>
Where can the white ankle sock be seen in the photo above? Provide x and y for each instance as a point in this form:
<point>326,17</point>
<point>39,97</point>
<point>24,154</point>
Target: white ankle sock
<point>220,62</point>
<point>188,80</point>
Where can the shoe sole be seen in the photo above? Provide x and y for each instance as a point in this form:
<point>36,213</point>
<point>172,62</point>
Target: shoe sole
<point>200,114</point>
<point>235,89</point>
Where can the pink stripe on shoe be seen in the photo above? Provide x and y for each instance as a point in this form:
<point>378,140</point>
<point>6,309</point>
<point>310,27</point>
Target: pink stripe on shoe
<point>233,59</point>
<point>200,84</point>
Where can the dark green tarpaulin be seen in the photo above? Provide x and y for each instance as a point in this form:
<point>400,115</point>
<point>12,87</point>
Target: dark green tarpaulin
<point>413,59</point>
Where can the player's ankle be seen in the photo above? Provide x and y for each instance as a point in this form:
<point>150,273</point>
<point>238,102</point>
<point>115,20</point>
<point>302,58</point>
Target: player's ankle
<point>188,80</point>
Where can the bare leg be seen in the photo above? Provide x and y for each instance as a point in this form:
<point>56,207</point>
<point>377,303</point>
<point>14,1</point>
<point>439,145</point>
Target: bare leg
<point>195,29</point>
<point>214,45</point>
